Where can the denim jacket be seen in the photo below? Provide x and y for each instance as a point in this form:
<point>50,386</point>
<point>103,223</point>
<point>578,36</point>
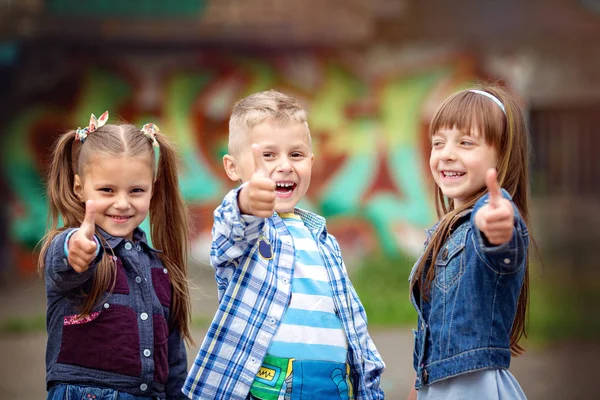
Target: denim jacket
<point>127,343</point>
<point>466,323</point>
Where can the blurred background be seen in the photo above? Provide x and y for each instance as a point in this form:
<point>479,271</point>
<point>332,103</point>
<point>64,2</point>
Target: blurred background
<point>371,74</point>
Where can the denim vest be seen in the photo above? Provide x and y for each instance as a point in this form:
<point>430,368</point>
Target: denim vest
<point>465,325</point>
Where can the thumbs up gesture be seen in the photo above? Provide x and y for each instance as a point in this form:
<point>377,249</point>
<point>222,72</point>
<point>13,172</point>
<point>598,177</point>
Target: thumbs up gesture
<point>258,196</point>
<point>82,245</point>
<point>496,218</point>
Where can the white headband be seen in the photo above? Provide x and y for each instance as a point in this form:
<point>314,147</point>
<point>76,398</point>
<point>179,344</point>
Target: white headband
<point>490,96</point>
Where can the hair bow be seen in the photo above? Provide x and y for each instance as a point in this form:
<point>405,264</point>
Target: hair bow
<point>150,130</point>
<point>82,133</point>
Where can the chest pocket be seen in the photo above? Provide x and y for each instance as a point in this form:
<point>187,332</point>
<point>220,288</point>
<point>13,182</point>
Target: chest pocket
<point>450,262</point>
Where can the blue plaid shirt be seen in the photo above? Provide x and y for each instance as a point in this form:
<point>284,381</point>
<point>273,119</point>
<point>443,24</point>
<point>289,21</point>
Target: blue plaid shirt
<point>253,258</point>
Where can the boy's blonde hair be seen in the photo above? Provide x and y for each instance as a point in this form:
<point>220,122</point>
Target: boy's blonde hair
<point>257,108</point>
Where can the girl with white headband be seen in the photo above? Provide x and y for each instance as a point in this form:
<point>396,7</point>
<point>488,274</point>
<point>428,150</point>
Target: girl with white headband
<point>471,301</point>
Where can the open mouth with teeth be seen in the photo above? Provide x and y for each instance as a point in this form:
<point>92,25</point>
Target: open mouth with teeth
<point>284,188</point>
<point>120,218</point>
<point>452,174</point>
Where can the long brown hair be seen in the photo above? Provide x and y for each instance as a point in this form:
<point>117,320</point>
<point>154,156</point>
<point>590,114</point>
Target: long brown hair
<point>465,111</point>
<point>169,218</point>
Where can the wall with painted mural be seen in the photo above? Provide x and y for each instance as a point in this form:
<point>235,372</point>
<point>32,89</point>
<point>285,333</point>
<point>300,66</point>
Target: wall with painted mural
<point>368,125</point>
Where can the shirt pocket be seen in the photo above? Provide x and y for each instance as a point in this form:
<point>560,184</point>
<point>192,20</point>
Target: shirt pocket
<point>108,340</point>
<point>162,285</point>
<point>449,265</point>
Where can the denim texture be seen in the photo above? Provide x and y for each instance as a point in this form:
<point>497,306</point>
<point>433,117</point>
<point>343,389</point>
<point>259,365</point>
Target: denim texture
<point>466,323</point>
<point>128,342</point>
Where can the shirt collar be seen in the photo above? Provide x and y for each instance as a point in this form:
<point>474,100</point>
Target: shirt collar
<point>139,236</point>
<point>314,222</point>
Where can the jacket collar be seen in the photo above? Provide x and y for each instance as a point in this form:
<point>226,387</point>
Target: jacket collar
<point>139,236</point>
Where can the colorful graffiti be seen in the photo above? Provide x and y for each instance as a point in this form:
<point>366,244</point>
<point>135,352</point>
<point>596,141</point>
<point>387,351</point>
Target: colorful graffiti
<point>369,179</point>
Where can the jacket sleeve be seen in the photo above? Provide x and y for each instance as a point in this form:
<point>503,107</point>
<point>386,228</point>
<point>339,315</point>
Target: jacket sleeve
<point>233,234</point>
<point>373,365</point>
<point>507,257</point>
<point>60,276</point>
<point>177,366</point>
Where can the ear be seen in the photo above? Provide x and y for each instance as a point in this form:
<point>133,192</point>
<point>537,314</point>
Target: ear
<point>78,187</point>
<point>312,159</point>
<point>230,166</point>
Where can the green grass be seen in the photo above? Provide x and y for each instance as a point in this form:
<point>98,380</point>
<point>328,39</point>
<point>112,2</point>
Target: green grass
<point>20,325</point>
<point>382,284</point>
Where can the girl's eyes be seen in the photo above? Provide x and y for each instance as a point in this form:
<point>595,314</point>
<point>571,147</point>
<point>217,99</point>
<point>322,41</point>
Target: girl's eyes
<point>109,190</point>
<point>466,143</point>
<point>437,143</point>
<point>296,155</point>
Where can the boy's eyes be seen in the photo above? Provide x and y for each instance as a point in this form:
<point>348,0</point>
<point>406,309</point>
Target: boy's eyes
<point>293,155</point>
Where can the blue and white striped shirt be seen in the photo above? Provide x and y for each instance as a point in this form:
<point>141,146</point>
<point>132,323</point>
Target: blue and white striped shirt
<point>309,329</point>
<point>253,260</point>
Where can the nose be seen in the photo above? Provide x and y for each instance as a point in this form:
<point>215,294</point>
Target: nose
<point>284,166</point>
<point>448,152</point>
<point>122,202</point>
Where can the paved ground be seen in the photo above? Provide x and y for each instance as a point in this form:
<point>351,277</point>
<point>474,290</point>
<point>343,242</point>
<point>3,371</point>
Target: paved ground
<point>559,371</point>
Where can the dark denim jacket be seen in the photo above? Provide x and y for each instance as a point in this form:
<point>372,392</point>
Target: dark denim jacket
<point>465,326</point>
<point>127,343</point>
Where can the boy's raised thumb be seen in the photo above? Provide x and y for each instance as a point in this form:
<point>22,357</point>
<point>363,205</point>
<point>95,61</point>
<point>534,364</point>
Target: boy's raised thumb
<point>259,162</point>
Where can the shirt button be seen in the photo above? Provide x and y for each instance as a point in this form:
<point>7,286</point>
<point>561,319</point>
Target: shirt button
<point>106,305</point>
<point>128,246</point>
<point>165,271</point>
<point>138,279</point>
<point>253,360</point>
<point>147,353</point>
<point>507,261</point>
<point>139,248</point>
<point>143,387</point>
<point>144,316</point>
<point>272,321</point>
<point>285,281</point>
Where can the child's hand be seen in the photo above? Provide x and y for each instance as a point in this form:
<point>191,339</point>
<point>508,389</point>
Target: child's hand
<point>495,219</point>
<point>82,245</point>
<point>258,197</point>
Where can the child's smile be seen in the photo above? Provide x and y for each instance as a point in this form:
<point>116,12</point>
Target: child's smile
<point>459,162</point>
<point>122,199</point>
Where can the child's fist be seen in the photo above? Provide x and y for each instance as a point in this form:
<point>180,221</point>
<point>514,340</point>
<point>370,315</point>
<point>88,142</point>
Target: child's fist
<point>82,245</point>
<point>495,219</point>
<point>258,197</point>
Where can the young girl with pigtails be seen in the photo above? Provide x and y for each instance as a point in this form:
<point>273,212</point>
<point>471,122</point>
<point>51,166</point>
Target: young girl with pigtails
<point>470,285</point>
<point>118,307</point>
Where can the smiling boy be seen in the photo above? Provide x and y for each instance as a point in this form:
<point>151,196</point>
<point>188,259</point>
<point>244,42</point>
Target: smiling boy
<point>289,323</point>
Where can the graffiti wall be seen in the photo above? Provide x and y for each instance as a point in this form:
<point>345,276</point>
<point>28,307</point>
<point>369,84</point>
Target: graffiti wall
<point>368,117</point>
